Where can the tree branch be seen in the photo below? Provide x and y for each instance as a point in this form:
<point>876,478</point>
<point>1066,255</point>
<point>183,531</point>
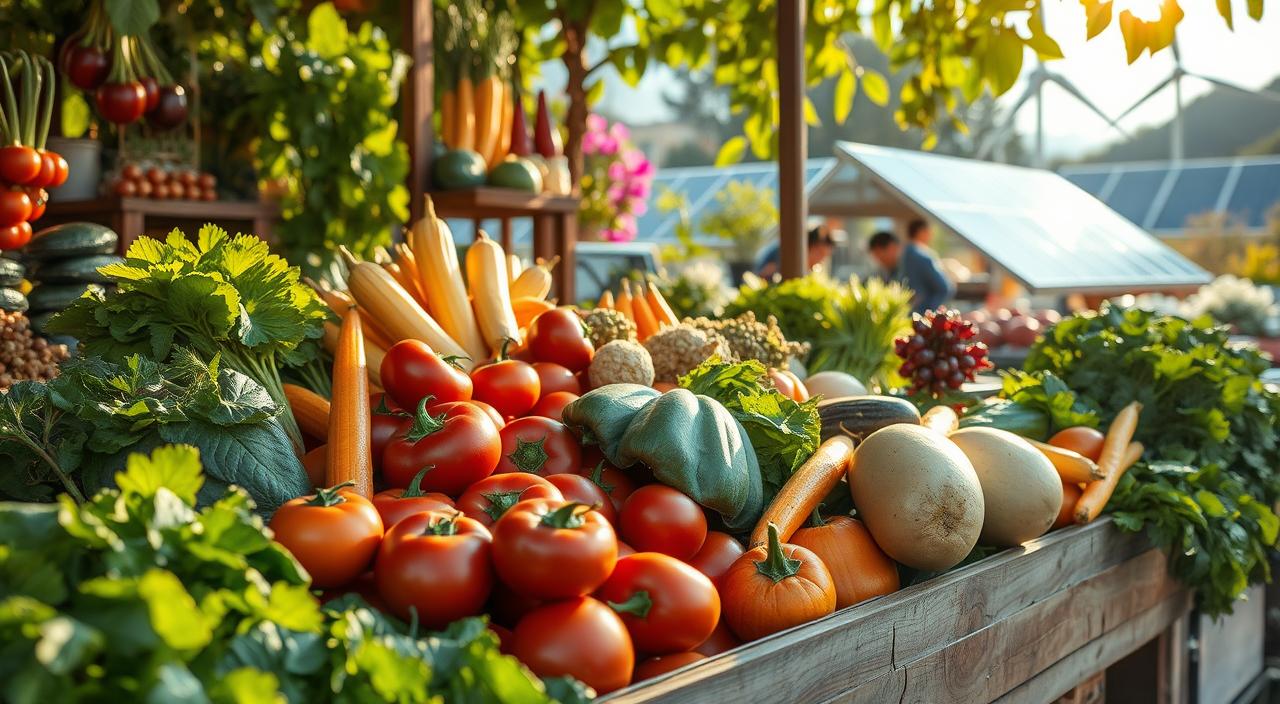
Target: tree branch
<point>608,58</point>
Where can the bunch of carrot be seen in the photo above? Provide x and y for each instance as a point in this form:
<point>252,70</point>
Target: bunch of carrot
<point>645,306</point>
<point>478,98</point>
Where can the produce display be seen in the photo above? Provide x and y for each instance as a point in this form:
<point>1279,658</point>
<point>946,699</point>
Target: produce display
<point>161,182</point>
<point>64,262</point>
<point>27,87</point>
<point>499,498</point>
<point>1003,327</point>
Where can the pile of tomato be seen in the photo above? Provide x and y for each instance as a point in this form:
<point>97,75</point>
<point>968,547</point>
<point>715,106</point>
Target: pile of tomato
<point>492,506</point>
<point>25,173</point>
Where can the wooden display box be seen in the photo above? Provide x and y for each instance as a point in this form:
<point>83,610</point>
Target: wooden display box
<point>132,218</point>
<point>1030,624</point>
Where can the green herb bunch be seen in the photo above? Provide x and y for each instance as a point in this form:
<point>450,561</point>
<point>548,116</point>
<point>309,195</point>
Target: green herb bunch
<point>782,432</point>
<point>74,433</point>
<point>138,596</point>
<point>219,296</point>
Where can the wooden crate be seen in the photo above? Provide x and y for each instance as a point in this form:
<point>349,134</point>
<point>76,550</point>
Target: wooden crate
<point>1027,625</point>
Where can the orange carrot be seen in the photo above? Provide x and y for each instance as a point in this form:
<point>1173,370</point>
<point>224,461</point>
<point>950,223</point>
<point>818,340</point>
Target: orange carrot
<point>310,409</point>
<point>606,300</point>
<point>805,490</point>
<point>1098,493</point>
<point>349,440</point>
<point>658,304</point>
<point>1073,467</point>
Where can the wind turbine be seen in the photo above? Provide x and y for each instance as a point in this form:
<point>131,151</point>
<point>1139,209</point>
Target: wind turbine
<point>1175,133</point>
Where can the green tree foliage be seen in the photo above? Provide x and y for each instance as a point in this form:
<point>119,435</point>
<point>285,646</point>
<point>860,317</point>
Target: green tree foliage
<point>745,215</point>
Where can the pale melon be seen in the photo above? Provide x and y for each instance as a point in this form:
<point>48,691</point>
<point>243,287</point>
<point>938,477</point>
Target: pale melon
<point>1020,489</point>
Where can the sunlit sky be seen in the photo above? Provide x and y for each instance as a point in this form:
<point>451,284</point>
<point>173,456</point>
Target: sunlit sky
<point>1249,57</point>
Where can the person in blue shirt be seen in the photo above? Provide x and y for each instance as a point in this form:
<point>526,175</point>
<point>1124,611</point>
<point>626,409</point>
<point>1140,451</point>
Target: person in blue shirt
<point>821,244</point>
<point>914,265</point>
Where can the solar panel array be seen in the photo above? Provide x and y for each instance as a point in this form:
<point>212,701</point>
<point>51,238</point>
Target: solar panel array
<point>1164,198</point>
<point>698,184</point>
<point>1048,233</point>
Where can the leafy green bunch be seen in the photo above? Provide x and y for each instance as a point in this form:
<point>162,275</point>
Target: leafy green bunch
<point>332,139</point>
<point>804,306</point>
<point>219,296</point>
<point>74,433</point>
<point>1032,405</point>
<point>138,596</point>
<point>782,432</point>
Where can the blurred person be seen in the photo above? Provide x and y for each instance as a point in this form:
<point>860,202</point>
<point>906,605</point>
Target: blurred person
<point>923,272</point>
<point>821,244</point>
<point>886,249</point>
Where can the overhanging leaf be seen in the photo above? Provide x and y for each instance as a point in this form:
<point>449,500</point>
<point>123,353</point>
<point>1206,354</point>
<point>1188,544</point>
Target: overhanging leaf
<point>731,151</point>
<point>132,17</point>
<point>875,87</point>
<point>842,103</point>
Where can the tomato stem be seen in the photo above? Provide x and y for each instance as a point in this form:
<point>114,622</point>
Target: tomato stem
<point>815,519</point>
<point>441,525</point>
<point>384,410</point>
<point>566,516</point>
<point>530,455</point>
<point>453,359</point>
<point>424,423</point>
<point>415,485</point>
<point>502,353</point>
<point>330,496</point>
<point>46,111</point>
<point>14,132</point>
<point>597,478</point>
<point>776,565</point>
<point>637,604</point>
<point>500,502</point>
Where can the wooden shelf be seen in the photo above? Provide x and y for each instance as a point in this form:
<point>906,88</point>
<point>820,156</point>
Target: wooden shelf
<point>555,223</point>
<point>133,217</point>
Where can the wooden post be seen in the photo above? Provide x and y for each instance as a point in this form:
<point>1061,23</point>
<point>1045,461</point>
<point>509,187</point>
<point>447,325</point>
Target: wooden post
<point>419,97</point>
<point>792,140</point>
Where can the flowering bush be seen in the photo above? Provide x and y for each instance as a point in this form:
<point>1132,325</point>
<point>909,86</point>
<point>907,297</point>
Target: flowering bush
<point>616,179</point>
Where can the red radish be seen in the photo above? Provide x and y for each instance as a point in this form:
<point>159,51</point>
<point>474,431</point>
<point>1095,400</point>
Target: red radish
<point>170,110</point>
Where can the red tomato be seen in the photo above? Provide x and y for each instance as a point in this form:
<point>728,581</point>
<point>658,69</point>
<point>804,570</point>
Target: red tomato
<point>15,237</point>
<point>486,500</point>
<point>15,206</point>
<point>386,422</point>
<point>580,489</point>
<point>59,170</point>
<point>1080,439</point>
<point>657,518</point>
<point>121,103</point>
<point>540,446</point>
<point>333,534</point>
<point>498,421</point>
<point>456,440</point>
<point>504,636</point>
<point>718,551</point>
<point>581,638</point>
<point>151,89</point>
<point>19,164</point>
<point>39,199</point>
<point>554,377</point>
<point>612,480</point>
<point>662,664</point>
<point>85,66</point>
<point>394,505</point>
<point>507,606</point>
<point>624,550</point>
<point>436,563</point>
<point>509,385</point>
<point>560,336</point>
<point>667,606</point>
<point>721,640</point>
<point>410,372</point>
<point>552,405</point>
<point>48,169</point>
<point>553,549</point>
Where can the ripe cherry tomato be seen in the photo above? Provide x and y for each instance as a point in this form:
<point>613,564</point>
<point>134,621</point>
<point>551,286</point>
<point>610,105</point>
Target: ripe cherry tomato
<point>667,606</point>
<point>437,563</point>
<point>657,518</point>
<point>615,483</point>
<point>121,103</point>
<point>410,372</point>
<point>553,549</point>
<point>579,637</point>
<point>560,336</point>
<point>717,553</point>
<point>48,169</point>
<point>486,500</point>
<point>15,206</point>
<point>59,170</point>
<point>19,164</point>
<point>333,534</point>
<point>554,377</point>
<point>387,420</point>
<point>576,487</point>
<point>394,505</point>
<point>15,237</point>
<point>509,385</point>
<point>498,421</point>
<point>552,405</point>
<point>456,440</point>
<point>1080,439</point>
<point>662,664</point>
<point>540,446</point>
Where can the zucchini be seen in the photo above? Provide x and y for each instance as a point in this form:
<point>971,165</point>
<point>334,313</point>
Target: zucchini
<point>51,297</point>
<point>11,272</point>
<point>11,299</point>
<point>76,269</point>
<point>72,239</point>
<point>859,416</point>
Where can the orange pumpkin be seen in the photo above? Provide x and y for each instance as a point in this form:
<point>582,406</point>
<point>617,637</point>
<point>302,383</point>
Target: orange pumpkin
<point>773,587</point>
<point>858,566</point>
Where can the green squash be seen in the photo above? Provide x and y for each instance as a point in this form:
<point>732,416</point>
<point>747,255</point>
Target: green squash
<point>458,169</point>
<point>518,174</point>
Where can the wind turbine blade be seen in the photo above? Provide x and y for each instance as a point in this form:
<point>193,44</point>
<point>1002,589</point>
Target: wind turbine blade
<point>1150,94</point>
<point>1261,93</point>
<point>1075,93</point>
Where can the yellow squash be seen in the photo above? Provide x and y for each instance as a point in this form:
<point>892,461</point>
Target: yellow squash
<point>491,296</point>
<point>534,282</point>
<point>440,277</point>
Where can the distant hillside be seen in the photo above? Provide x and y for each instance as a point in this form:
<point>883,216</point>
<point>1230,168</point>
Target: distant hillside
<point>1220,123</point>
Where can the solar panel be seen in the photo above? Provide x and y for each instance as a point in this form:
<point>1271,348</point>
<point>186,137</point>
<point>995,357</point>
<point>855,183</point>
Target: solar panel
<point>1046,232</point>
<point>1255,194</point>
<point>1195,192</point>
<point>1092,182</point>
<point>1134,193</point>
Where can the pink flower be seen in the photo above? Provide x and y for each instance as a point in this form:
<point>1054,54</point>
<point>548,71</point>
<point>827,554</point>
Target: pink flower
<point>620,132</point>
<point>639,207</point>
<point>596,123</point>
<point>617,171</point>
<point>638,189</point>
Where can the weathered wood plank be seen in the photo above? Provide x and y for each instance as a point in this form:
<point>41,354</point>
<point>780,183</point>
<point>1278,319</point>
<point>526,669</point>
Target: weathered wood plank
<point>988,663</point>
<point>1101,653</point>
<point>858,645</point>
<point>1231,650</point>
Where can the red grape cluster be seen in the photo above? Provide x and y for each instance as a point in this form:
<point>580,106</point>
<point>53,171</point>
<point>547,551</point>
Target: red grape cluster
<point>941,353</point>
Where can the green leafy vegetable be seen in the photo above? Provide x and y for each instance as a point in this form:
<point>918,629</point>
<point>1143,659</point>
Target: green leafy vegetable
<point>73,433</point>
<point>1033,406</point>
<point>138,596</point>
<point>220,296</point>
<point>783,433</point>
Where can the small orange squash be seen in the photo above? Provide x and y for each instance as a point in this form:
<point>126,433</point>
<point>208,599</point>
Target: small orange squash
<point>858,566</point>
<point>773,587</point>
